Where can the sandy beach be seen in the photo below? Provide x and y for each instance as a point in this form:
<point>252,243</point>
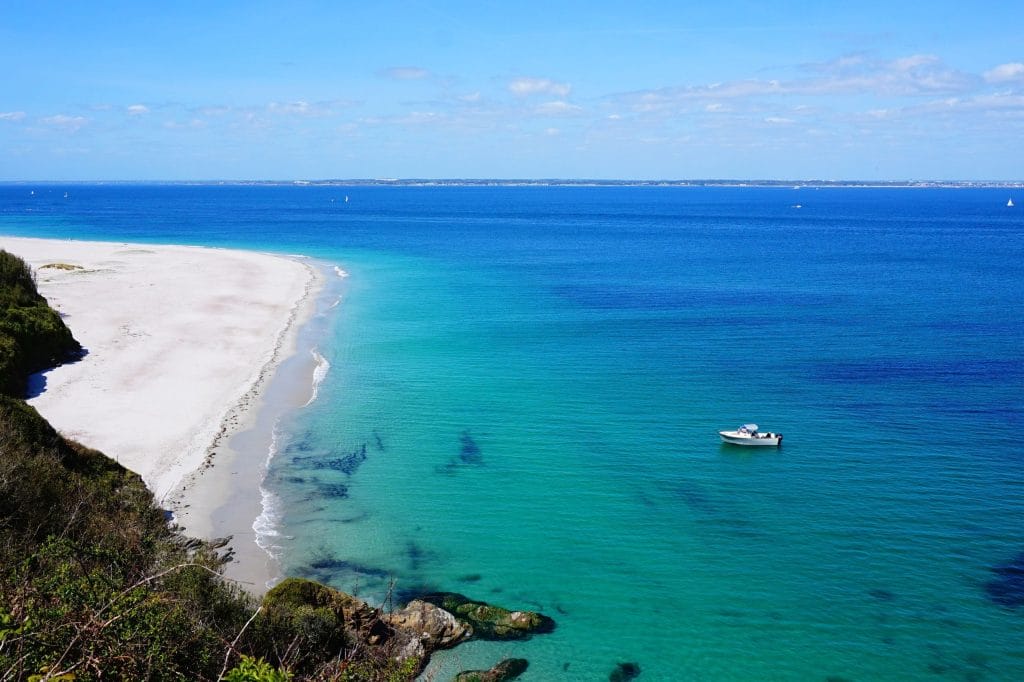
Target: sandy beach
<point>180,342</point>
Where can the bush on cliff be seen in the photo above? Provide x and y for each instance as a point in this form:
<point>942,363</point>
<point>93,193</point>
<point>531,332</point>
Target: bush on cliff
<point>32,335</point>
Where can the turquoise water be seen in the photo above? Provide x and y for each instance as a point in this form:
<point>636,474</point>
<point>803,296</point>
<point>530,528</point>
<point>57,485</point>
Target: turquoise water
<point>524,390</point>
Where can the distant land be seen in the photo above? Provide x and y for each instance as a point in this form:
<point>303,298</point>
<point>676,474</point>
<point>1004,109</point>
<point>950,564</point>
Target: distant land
<point>544,182</point>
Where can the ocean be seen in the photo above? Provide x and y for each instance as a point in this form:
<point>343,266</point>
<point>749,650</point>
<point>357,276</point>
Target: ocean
<point>522,388</point>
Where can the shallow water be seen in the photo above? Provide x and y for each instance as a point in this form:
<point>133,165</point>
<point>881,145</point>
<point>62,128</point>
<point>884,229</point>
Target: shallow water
<point>524,390</point>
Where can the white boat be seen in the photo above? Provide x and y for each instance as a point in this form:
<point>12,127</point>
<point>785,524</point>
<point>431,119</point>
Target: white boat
<point>749,435</point>
<point>1009,202</point>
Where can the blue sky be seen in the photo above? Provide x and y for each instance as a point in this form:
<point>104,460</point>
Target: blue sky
<point>644,90</point>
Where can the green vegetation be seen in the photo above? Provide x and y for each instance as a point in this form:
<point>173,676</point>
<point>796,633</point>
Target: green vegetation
<point>32,335</point>
<point>95,584</point>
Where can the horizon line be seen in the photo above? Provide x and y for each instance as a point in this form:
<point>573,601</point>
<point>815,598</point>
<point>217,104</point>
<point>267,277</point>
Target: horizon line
<point>541,181</point>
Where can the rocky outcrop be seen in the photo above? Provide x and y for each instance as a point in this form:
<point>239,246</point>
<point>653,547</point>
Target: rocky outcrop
<point>509,669</point>
<point>424,628</point>
<point>332,621</point>
<point>307,602</point>
<point>491,622</point>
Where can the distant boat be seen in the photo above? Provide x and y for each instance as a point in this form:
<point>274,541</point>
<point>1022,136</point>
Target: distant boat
<point>1009,202</point>
<point>797,205</point>
<point>32,193</point>
<point>749,435</point>
<point>65,195</point>
<point>346,198</point>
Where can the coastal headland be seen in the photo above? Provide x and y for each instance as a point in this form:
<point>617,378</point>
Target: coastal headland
<point>179,342</point>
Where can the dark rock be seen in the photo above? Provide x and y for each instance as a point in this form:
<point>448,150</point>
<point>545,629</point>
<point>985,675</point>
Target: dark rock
<point>624,672</point>
<point>509,669</point>
<point>491,622</point>
<point>1007,589</point>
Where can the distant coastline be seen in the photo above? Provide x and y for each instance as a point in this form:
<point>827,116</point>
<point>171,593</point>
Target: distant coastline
<point>545,182</point>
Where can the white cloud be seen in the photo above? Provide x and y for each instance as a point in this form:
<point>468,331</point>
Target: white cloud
<point>912,76</point>
<point>557,108</point>
<point>524,87</point>
<point>137,109</point>
<point>12,115</point>
<point>65,122</point>
<point>405,73</point>
<point>1005,73</point>
<point>194,124</point>
<point>302,108</point>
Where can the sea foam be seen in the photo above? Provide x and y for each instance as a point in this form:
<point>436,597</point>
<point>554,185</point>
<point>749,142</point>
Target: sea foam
<point>322,365</point>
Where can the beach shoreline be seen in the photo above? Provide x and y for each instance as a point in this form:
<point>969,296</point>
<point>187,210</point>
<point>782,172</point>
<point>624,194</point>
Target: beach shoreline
<point>181,345</point>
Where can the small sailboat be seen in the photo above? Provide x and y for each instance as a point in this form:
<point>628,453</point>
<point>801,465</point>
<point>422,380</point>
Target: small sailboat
<point>1009,202</point>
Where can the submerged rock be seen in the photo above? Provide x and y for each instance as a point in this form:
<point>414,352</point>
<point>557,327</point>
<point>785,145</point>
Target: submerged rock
<point>624,672</point>
<point>509,669</point>
<point>491,622</point>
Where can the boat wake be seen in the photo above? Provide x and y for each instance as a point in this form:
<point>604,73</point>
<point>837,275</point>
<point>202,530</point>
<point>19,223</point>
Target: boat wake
<point>341,273</point>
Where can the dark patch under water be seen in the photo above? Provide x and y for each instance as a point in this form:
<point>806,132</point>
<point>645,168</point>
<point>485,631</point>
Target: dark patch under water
<point>882,595</point>
<point>337,491</point>
<point>328,568</point>
<point>469,455</point>
<point>623,672</point>
<point>346,464</point>
<point>470,452</point>
<point>1007,588</point>
<point>417,555</point>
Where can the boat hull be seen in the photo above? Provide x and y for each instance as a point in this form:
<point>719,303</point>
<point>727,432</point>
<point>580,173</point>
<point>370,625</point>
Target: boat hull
<point>736,438</point>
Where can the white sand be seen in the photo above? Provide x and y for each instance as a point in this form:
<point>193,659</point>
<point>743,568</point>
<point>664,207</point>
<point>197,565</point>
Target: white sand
<point>179,339</point>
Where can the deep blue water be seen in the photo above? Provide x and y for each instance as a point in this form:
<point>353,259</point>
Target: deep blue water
<point>526,383</point>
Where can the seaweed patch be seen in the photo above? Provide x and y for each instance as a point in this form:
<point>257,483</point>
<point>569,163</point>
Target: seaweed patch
<point>882,595</point>
<point>1007,588</point>
<point>346,464</point>
<point>624,671</point>
<point>470,454</point>
<point>337,491</point>
<point>326,567</point>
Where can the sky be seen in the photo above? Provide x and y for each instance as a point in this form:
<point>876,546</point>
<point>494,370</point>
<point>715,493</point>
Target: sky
<point>604,90</point>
